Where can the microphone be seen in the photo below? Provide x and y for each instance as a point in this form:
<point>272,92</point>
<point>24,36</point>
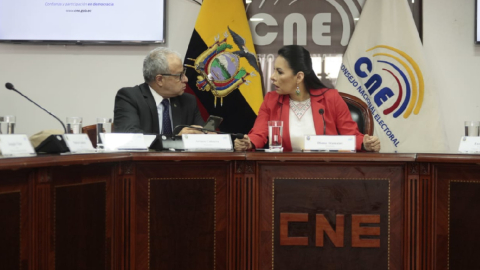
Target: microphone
<point>234,135</point>
<point>10,86</point>
<point>322,111</point>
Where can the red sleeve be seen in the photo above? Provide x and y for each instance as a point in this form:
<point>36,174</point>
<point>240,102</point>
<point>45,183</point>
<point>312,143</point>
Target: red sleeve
<point>259,133</point>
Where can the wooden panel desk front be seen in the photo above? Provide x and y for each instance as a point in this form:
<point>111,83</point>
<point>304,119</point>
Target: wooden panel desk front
<point>171,210</point>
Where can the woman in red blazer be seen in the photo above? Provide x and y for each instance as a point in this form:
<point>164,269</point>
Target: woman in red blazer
<point>299,101</point>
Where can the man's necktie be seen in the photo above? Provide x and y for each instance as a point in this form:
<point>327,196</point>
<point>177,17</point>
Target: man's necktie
<point>166,122</point>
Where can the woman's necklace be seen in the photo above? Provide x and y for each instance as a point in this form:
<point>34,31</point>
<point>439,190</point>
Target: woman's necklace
<point>299,108</point>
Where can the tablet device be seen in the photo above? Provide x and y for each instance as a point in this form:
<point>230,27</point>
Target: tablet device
<point>213,122</point>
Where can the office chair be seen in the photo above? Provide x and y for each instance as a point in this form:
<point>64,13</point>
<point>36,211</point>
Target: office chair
<point>360,113</point>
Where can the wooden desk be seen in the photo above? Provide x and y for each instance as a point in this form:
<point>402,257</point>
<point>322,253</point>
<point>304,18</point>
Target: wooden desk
<point>448,216</point>
<point>251,210</point>
<point>317,211</point>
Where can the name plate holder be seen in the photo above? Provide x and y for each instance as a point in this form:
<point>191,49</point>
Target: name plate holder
<point>16,145</point>
<point>115,142</point>
<point>207,142</point>
<point>330,143</point>
<point>78,143</point>
<point>469,145</point>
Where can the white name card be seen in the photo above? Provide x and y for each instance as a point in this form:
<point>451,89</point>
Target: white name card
<point>124,142</point>
<point>207,142</point>
<point>469,145</point>
<point>78,143</point>
<point>330,143</point>
<point>149,139</point>
<point>13,145</point>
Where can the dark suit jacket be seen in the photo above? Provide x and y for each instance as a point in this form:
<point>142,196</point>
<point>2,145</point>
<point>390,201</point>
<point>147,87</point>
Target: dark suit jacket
<point>136,112</point>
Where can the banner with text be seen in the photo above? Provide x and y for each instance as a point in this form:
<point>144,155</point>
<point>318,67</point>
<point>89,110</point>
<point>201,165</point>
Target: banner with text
<point>384,65</point>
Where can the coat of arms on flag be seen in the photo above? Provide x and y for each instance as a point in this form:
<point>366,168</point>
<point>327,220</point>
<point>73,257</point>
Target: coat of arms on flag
<point>219,69</point>
<point>223,70</point>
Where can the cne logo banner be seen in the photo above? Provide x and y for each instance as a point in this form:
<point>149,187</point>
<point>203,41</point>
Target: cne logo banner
<point>390,80</point>
<point>384,64</point>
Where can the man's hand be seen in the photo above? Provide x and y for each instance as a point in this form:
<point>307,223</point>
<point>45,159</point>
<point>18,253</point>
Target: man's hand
<point>189,130</point>
<point>371,143</point>
<point>243,144</point>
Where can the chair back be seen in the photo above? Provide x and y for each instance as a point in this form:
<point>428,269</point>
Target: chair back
<point>91,132</point>
<point>360,113</point>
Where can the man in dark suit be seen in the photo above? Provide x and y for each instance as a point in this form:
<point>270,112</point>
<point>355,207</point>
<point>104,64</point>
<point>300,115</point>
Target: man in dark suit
<point>159,104</point>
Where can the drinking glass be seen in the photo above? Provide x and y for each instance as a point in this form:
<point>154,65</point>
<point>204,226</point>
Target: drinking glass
<point>472,128</point>
<point>104,125</point>
<point>74,125</point>
<point>275,134</point>
<point>7,124</point>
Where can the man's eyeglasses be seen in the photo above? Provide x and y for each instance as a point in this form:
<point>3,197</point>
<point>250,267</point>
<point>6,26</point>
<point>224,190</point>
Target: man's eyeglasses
<point>180,76</point>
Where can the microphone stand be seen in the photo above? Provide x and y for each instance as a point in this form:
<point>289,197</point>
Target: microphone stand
<point>10,86</point>
<point>321,111</point>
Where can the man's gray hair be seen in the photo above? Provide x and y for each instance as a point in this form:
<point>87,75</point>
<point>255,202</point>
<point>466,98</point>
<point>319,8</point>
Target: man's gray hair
<point>156,63</point>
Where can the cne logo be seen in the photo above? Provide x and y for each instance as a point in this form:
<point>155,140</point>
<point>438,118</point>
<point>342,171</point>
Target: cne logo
<point>405,87</point>
<point>326,23</point>
<point>390,81</point>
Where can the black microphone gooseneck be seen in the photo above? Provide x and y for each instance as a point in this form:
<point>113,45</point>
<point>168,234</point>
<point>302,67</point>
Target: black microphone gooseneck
<point>10,86</point>
<point>322,111</point>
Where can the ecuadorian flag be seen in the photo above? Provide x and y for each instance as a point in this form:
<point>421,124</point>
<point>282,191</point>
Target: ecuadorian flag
<point>223,70</point>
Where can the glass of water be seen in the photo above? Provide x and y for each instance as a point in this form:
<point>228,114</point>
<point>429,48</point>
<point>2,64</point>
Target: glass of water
<point>74,125</point>
<point>7,124</point>
<point>275,134</point>
<point>472,128</point>
<point>104,125</point>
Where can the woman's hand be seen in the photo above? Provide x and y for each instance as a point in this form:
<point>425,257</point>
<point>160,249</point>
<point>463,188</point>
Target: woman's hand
<point>243,144</point>
<point>371,143</point>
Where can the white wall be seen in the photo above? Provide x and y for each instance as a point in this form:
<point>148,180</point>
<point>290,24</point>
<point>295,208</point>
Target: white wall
<point>454,61</point>
<point>82,80</point>
<point>79,80</point>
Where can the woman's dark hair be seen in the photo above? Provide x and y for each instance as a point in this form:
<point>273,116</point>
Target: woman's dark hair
<point>298,58</point>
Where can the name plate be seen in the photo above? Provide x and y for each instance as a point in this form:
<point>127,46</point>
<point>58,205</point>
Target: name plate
<point>330,143</point>
<point>469,145</point>
<point>16,145</point>
<point>78,143</point>
<point>124,142</point>
<point>207,142</point>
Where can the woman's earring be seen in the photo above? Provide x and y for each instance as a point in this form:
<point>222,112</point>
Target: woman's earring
<point>297,91</point>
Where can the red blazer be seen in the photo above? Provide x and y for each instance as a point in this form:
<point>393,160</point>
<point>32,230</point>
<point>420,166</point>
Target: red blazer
<point>277,107</point>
